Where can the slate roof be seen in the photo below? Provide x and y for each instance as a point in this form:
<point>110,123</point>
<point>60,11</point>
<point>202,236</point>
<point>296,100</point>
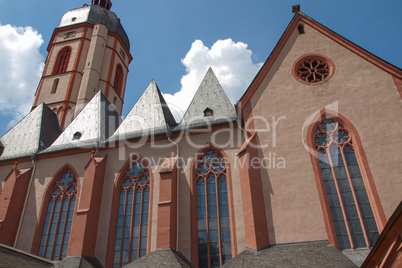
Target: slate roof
<point>35,132</point>
<point>210,95</point>
<point>150,115</point>
<point>98,123</point>
<point>96,14</point>
<point>79,261</point>
<point>162,258</point>
<point>314,254</point>
<point>95,123</point>
<point>11,257</point>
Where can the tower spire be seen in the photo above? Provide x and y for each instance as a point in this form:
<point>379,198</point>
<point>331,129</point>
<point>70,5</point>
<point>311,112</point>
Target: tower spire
<point>107,4</point>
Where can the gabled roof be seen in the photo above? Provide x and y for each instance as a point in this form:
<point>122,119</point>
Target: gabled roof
<point>95,123</point>
<point>164,257</point>
<point>299,16</point>
<point>210,97</point>
<point>12,257</point>
<point>79,261</point>
<point>313,254</point>
<point>150,115</point>
<point>35,132</point>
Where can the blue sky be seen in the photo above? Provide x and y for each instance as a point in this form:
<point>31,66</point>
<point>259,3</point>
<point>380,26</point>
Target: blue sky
<point>163,38</point>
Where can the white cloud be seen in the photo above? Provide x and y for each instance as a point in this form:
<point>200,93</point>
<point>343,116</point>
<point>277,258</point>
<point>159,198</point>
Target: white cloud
<point>231,63</point>
<point>21,66</point>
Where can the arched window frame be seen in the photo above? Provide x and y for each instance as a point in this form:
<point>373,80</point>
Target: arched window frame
<point>118,79</point>
<point>45,203</point>
<point>367,177</point>
<point>115,204</point>
<point>62,61</point>
<point>194,214</point>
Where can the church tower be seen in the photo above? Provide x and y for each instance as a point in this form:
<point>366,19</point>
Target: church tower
<point>89,51</point>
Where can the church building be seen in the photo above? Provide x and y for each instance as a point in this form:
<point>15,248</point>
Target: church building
<point>304,171</point>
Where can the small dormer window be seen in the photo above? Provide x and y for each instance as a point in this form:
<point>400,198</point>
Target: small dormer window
<point>77,135</point>
<point>208,112</point>
<point>73,19</point>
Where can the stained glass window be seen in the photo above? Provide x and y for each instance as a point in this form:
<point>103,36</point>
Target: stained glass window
<point>214,239</point>
<point>59,216</point>
<point>350,208</point>
<point>132,220</point>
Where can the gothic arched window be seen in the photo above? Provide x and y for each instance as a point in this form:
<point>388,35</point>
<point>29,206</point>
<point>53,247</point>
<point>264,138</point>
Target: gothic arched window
<point>118,79</point>
<point>213,233</point>
<point>62,61</point>
<point>350,211</point>
<point>59,216</point>
<point>131,233</point>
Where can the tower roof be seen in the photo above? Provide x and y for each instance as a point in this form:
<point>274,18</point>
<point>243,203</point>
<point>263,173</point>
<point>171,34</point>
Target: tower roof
<point>35,132</point>
<point>97,13</point>
<point>95,123</point>
<point>210,105</point>
<point>150,115</point>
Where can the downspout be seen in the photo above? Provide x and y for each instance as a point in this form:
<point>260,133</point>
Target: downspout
<point>169,134</point>
<point>238,120</point>
<point>33,158</point>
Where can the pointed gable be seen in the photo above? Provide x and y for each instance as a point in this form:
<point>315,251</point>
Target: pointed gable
<point>35,132</point>
<point>95,123</point>
<point>298,20</point>
<point>149,115</point>
<point>209,105</point>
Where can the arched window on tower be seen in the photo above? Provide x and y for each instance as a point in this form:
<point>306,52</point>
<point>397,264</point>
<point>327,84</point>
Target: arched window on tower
<point>132,204</point>
<point>55,85</point>
<point>118,79</point>
<point>62,61</point>
<point>212,233</point>
<point>341,178</point>
<point>59,215</point>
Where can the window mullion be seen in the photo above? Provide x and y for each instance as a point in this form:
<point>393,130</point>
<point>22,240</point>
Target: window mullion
<point>132,225</point>
<point>57,225</point>
<point>64,227</point>
<point>140,229</point>
<point>49,228</point>
<point>355,198</point>
<point>219,221</point>
<point>124,227</point>
<point>207,219</point>
<point>340,197</point>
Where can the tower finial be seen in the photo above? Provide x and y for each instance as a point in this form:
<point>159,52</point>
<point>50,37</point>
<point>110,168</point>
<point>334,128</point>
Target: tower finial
<point>106,4</point>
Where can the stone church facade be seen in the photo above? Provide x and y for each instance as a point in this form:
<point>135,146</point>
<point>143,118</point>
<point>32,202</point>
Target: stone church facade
<point>305,170</point>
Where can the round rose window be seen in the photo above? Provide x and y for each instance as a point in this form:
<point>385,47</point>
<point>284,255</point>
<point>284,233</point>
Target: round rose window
<point>313,69</point>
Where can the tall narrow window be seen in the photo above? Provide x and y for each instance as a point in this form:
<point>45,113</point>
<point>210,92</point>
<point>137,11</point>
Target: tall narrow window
<point>62,60</point>
<point>213,231</point>
<point>59,216</point>
<point>118,79</point>
<point>350,209</point>
<point>54,87</point>
<point>132,220</point>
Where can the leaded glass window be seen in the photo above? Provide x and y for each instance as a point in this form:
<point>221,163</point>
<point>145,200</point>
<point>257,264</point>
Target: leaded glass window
<point>214,239</point>
<point>132,220</point>
<point>350,208</point>
<point>59,216</point>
